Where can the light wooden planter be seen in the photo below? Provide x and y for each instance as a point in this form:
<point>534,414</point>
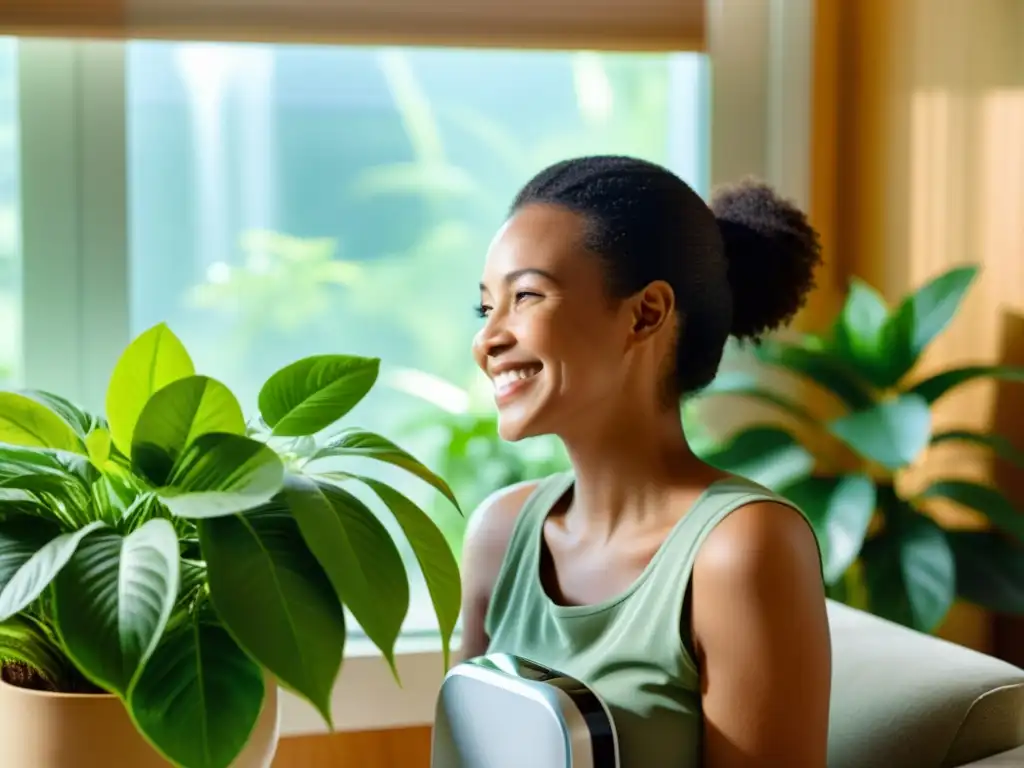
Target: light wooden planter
<point>55,730</point>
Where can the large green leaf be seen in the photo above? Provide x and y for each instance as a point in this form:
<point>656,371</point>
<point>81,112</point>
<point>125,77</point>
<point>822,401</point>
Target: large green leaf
<point>222,474</point>
<point>859,334</point>
<point>358,555</point>
<point>766,455</point>
<point>989,570</point>
<point>152,361</point>
<point>80,420</point>
<point>841,510</point>
<point>113,599</point>
<point>359,443</point>
<point>275,599</point>
<point>925,314</point>
<point>199,697</point>
<point>97,446</point>
<point>45,471</point>
<point>313,393</point>
<point>1001,446</point>
<point>981,498</point>
<point>27,422</point>
<point>435,557</point>
<point>910,572</point>
<point>175,416</point>
<point>32,553</point>
<point>745,385</point>
<point>820,366</point>
<point>892,433</point>
<point>934,387</point>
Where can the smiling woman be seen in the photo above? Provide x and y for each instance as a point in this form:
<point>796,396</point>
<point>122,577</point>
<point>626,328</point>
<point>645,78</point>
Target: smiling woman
<point>609,294</point>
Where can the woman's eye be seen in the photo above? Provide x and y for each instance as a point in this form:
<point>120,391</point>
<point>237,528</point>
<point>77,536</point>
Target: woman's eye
<point>482,310</point>
<point>523,295</point>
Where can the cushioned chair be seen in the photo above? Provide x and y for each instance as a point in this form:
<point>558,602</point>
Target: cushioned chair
<point>902,699</point>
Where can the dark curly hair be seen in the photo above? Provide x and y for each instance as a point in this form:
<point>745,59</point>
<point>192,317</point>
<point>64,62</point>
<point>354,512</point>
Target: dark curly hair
<point>741,267</point>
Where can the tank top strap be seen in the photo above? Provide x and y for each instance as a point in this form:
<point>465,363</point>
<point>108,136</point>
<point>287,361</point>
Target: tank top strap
<point>670,577</point>
<point>520,565</point>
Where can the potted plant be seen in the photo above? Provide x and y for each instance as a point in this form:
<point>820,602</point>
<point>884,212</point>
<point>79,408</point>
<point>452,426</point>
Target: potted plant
<point>164,568</point>
<point>881,549</point>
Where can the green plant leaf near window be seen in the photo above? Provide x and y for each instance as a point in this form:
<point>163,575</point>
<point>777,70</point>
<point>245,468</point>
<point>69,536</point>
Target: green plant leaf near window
<point>113,598</point>
<point>166,554</point>
<point>357,554</point>
<point>152,361</point>
<point>218,694</point>
<point>27,422</point>
<point>312,394</point>
<point>880,549</point>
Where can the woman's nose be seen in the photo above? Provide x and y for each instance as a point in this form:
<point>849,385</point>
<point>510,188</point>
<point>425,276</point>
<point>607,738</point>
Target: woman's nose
<point>491,340</point>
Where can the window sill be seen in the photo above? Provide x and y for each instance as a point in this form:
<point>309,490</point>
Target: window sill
<point>366,696</point>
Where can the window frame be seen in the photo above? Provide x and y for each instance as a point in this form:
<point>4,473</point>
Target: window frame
<point>75,247</point>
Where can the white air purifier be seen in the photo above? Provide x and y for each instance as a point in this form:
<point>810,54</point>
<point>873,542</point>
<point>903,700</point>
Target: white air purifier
<point>501,711</point>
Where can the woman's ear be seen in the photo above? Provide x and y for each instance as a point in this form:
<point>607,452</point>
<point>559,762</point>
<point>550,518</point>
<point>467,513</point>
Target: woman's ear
<point>653,309</point>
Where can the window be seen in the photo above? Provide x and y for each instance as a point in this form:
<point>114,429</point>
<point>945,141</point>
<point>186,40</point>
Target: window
<point>10,250</point>
<point>287,201</point>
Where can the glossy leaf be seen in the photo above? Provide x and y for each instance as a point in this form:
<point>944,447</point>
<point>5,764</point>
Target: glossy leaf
<point>926,313</point>
<point>113,599</point>
<point>311,394</point>
<point>175,416</point>
<point>222,474</point>
<point>892,433</point>
<point>433,554</point>
<point>820,366</point>
<point>934,387</point>
<point>1001,446</point>
<point>32,553</point>
<point>359,443</point>
<point>981,498</point>
<point>910,572</point>
<point>745,385</point>
<point>80,420</point>
<point>859,334</point>
<point>989,570</point>
<point>841,509</point>
<point>97,446</point>
<point>766,455</point>
<point>151,362</point>
<point>27,422</point>
<point>43,471</point>
<point>275,599</point>
<point>358,555</point>
<point>199,697</point>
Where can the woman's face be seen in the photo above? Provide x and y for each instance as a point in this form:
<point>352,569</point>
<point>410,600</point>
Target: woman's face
<point>555,346</point>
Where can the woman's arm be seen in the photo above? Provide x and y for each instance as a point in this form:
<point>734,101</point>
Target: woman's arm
<point>762,640</point>
<point>483,550</point>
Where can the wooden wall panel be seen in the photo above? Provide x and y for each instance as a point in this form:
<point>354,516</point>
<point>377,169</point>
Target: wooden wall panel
<point>398,748</point>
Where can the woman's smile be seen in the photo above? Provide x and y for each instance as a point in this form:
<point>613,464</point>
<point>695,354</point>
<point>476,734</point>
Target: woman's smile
<point>511,379</point>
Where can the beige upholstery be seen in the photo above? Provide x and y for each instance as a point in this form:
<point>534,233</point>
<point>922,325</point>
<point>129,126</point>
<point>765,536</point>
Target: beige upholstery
<point>902,699</point>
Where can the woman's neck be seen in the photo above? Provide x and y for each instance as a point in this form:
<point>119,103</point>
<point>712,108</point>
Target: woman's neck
<point>626,468</point>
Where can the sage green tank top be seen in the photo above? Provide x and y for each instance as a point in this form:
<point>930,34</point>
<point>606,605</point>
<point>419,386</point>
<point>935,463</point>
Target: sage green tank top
<point>633,650</point>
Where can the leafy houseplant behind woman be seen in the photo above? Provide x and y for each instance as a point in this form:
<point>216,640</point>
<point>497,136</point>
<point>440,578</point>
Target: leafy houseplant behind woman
<point>169,565</point>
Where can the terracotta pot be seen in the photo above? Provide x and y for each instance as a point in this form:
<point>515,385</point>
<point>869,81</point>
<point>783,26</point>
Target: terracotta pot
<point>60,730</point>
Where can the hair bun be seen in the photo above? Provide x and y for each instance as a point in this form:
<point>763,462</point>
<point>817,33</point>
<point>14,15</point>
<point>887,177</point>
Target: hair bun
<point>772,252</point>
